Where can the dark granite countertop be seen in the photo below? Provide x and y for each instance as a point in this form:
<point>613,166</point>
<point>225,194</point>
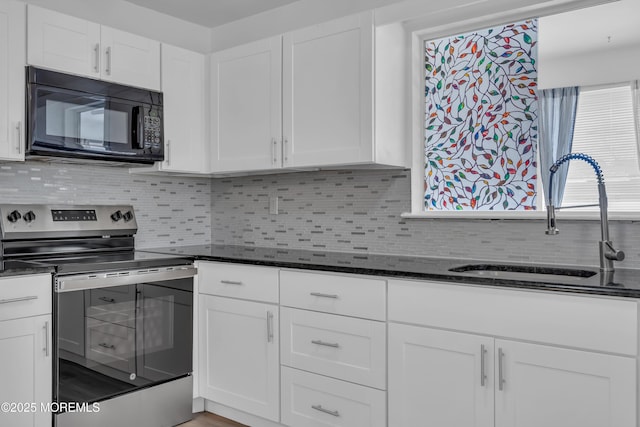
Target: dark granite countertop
<point>19,268</point>
<point>623,283</point>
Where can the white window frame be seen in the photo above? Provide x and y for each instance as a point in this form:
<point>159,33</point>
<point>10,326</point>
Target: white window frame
<point>422,30</point>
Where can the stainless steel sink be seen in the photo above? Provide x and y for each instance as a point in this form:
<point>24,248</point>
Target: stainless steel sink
<point>527,273</point>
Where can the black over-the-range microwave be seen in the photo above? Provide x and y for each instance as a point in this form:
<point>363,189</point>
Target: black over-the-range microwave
<point>81,118</point>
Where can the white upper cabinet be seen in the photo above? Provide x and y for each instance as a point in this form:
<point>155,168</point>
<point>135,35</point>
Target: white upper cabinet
<point>12,80</point>
<point>328,93</point>
<point>246,115</point>
<point>184,89</point>
<point>130,59</point>
<point>307,99</point>
<point>73,45</point>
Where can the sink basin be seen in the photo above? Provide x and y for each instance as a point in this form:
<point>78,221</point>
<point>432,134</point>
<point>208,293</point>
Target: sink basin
<point>525,272</point>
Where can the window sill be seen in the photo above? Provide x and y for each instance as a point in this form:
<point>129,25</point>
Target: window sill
<point>519,215</point>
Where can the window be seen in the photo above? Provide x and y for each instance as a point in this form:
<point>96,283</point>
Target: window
<point>605,130</point>
<point>481,120</point>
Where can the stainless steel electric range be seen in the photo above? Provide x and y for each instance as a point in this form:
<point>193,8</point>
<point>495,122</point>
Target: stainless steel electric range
<point>123,319</point>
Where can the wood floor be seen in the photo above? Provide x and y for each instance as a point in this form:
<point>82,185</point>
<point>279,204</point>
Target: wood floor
<point>206,419</point>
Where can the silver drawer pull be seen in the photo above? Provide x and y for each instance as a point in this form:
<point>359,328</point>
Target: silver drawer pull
<point>109,346</point>
<point>105,299</point>
<point>318,294</point>
<point>7,301</point>
<point>501,379</point>
<point>230,282</point>
<point>326,344</point>
<point>326,411</point>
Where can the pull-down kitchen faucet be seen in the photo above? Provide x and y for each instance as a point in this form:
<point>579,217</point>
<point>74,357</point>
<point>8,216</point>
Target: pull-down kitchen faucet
<point>608,253</point>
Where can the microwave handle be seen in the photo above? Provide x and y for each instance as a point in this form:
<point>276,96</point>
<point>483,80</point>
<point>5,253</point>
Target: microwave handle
<point>136,131</point>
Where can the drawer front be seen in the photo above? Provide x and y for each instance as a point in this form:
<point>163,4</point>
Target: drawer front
<point>238,281</point>
<point>588,322</point>
<point>310,400</point>
<point>337,346</point>
<point>336,294</point>
<point>111,344</point>
<point>25,296</point>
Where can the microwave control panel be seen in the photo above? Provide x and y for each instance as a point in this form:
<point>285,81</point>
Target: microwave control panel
<point>152,132</point>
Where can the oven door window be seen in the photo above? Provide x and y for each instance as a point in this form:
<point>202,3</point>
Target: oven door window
<point>81,122</point>
<point>114,340</point>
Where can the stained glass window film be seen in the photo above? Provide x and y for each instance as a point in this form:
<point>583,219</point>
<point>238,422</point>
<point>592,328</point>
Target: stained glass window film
<point>481,119</point>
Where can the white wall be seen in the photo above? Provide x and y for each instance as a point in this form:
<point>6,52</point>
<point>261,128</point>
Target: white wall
<point>135,19</point>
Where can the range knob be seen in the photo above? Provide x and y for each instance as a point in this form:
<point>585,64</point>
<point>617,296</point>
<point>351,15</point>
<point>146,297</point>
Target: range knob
<point>14,216</point>
<point>29,216</point>
<point>116,216</point>
<point>127,216</point>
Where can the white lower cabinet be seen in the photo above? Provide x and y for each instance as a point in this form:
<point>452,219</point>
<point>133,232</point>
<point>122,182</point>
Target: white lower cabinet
<point>437,378</point>
<point>239,349</point>
<point>310,400</point>
<point>25,350</point>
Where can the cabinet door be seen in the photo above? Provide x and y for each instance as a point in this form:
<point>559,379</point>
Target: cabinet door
<point>63,43</point>
<point>550,386</point>
<point>130,59</point>
<point>246,117</point>
<point>435,378</point>
<point>25,369</point>
<point>239,363</point>
<point>183,86</point>
<point>328,93</point>
<point>12,60</point>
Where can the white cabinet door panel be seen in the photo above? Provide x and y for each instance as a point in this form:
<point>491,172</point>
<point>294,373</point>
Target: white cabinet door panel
<point>328,93</point>
<point>25,369</point>
<point>239,348</point>
<point>435,378</point>
<point>183,87</point>
<point>246,107</point>
<point>556,387</point>
<point>12,61</point>
<point>62,42</point>
<point>130,59</point>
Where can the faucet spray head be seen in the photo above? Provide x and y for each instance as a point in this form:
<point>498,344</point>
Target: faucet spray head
<point>551,221</point>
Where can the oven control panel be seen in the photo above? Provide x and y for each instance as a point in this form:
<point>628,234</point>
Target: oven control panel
<point>47,221</point>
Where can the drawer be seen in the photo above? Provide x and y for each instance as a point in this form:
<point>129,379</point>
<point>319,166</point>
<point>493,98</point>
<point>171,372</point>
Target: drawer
<point>238,281</point>
<point>336,294</point>
<point>337,346</point>
<point>111,344</point>
<point>310,400</point>
<point>587,322</point>
<point>24,296</point>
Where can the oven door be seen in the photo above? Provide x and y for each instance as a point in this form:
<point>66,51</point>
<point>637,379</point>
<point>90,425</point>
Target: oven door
<point>119,332</point>
<point>76,124</point>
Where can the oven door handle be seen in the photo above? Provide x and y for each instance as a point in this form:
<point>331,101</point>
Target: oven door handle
<point>109,279</point>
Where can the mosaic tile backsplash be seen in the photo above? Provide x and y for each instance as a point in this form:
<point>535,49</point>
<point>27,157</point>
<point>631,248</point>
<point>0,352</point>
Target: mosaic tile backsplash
<point>355,211</point>
<point>169,210</point>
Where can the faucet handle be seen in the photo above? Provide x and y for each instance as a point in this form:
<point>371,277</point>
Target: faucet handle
<point>613,254</point>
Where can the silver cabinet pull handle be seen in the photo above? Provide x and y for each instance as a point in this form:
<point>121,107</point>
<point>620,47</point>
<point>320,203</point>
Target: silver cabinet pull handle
<point>105,345</point>
<point>274,152</point>
<point>230,282</point>
<point>105,299</point>
<point>483,374</point>
<point>501,379</point>
<point>269,326</point>
<point>285,153</point>
<point>326,344</point>
<point>168,152</point>
<point>326,411</point>
<point>46,338</point>
<point>96,65</point>
<point>321,295</point>
<point>19,144</point>
<point>107,69</point>
<point>7,301</point>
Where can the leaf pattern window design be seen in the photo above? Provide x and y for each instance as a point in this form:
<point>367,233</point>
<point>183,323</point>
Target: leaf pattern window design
<point>481,119</point>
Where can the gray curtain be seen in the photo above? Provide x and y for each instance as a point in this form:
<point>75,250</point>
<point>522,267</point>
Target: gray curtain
<point>557,120</point>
